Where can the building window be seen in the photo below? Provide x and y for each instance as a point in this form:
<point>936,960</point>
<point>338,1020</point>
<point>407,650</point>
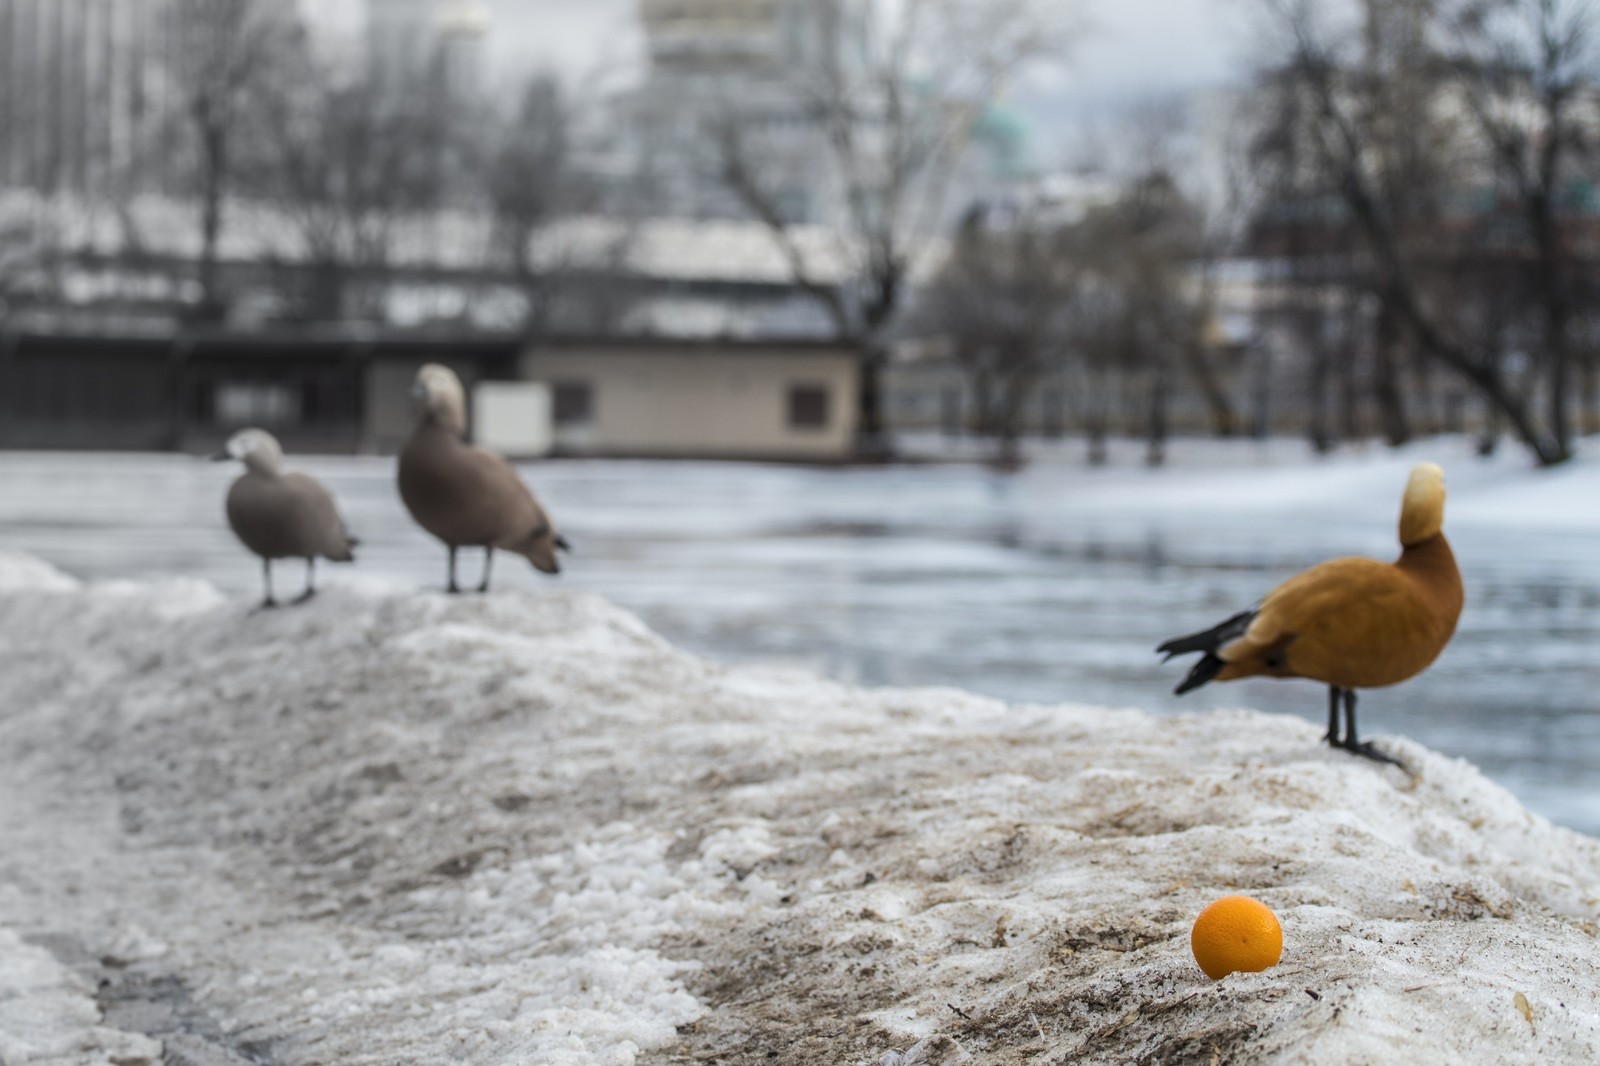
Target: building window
<point>255,403</point>
<point>573,403</point>
<point>808,406</point>
<point>202,402</point>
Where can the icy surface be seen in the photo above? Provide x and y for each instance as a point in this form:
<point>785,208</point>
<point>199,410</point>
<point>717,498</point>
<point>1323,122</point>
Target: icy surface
<point>400,827</point>
<point>1052,584</point>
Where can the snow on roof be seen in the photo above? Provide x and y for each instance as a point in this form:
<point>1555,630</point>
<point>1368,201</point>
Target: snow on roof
<point>668,249</point>
<point>394,826</point>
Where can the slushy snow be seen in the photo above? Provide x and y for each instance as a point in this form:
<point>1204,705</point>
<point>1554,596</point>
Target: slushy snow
<point>392,826</point>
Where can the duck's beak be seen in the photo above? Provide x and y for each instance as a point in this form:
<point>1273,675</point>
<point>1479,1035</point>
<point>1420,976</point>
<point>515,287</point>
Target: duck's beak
<point>219,457</point>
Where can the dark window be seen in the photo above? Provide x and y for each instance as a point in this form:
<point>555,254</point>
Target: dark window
<point>573,403</point>
<point>202,402</point>
<point>808,406</point>
<point>313,403</point>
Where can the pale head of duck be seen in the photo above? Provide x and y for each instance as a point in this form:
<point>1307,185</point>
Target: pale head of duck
<point>438,395</point>
<point>1422,506</point>
<point>257,449</point>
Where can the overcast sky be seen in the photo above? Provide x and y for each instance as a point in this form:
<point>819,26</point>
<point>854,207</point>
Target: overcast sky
<point>1132,50</point>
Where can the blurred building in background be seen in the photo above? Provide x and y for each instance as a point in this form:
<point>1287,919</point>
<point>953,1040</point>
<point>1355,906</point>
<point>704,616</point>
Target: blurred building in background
<point>82,95</point>
<point>347,390</point>
<point>169,269</point>
<point>412,43</point>
<point>714,64</point>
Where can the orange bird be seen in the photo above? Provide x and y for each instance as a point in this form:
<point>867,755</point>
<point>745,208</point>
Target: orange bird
<point>1350,623</point>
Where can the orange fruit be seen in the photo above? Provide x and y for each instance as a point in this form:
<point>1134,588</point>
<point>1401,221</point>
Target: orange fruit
<point>1236,934</point>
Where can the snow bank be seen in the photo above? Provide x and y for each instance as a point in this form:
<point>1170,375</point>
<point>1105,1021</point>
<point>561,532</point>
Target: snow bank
<point>396,826</point>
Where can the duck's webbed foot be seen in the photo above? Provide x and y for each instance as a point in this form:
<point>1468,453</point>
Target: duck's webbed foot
<point>488,565</point>
<point>1350,743</point>
<point>311,583</point>
<point>268,601</point>
<point>453,587</point>
<point>1366,750</point>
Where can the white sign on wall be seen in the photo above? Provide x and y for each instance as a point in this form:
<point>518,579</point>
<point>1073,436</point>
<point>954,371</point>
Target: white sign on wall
<point>512,418</point>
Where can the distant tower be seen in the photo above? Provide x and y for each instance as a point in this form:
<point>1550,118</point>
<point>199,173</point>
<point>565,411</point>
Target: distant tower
<point>463,28</point>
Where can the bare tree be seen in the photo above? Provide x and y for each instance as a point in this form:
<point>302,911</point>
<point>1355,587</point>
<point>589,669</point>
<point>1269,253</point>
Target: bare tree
<point>1002,304</point>
<point>1378,115</point>
<point>894,116</point>
<point>221,54</point>
<point>1527,71</point>
<point>528,177</point>
<point>1109,298</point>
<point>349,163</point>
<point>537,198</point>
<point>1145,246</point>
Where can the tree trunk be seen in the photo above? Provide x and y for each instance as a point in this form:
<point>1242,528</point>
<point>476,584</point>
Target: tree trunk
<point>1156,424</point>
<point>1386,378</point>
<point>1095,419</point>
<point>872,438</point>
<point>1321,437</point>
<point>1223,421</point>
<point>1557,342</point>
<point>213,180</point>
<point>1427,420</point>
<point>1098,451</point>
<point>950,411</point>
<point>1261,374</point>
<point>981,417</point>
<point>1008,423</point>
<point>1591,394</point>
<point>1489,439</point>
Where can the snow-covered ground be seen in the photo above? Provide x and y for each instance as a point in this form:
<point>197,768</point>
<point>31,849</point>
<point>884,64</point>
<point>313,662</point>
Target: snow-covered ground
<point>392,826</point>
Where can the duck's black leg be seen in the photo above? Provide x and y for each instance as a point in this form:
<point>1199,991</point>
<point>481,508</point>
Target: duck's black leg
<point>488,562</point>
<point>311,580</point>
<point>452,588</point>
<point>1333,716</point>
<point>266,581</point>
<point>1354,746</point>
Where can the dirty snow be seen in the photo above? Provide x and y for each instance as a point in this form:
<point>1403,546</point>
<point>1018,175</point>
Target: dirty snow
<point>395,826</point>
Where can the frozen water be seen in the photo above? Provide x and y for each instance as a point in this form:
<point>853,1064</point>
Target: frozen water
<point>1053,584</point>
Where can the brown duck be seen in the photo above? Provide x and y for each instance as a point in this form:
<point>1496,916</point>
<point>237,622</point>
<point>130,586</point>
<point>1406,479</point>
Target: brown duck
<point>282,514</point>
<point>1350,623</point>
<point>466,496</point>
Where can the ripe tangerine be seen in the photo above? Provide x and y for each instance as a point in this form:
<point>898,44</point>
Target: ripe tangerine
<point>1236,934</point>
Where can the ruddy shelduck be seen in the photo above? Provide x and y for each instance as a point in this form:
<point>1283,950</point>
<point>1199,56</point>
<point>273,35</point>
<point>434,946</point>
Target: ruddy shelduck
<point>1350,623</point>
<point>282,514</point>
<point>468,497</point>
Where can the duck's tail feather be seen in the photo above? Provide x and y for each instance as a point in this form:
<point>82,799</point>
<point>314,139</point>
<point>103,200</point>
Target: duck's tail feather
<point>1207,668</point>
<point>1207,641</point>
<point>1210,639</point>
